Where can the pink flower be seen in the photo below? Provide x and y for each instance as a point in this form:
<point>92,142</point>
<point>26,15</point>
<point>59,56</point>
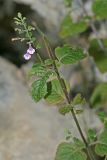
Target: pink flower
<point>27,56</point>
<point>29,52</point>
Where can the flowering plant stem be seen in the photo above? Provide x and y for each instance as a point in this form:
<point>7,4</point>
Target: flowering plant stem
<point>66,94</point>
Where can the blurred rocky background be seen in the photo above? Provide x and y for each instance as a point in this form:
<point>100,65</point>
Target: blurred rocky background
<point>30,131</point>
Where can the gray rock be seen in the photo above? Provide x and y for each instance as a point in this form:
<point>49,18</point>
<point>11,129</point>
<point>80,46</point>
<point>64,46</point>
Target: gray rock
<point>30,131</point>
<point>53,11</point>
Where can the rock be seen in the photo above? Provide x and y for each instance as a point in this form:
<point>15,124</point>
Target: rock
<point>53,11</point>
<point>29,130</point>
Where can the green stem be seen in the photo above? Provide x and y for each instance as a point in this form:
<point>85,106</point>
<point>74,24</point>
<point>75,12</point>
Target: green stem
<point>26,30</point>
<point>94,143</point>
<point>40,59</point>
<point>62,83</point>
<point>63,86</point>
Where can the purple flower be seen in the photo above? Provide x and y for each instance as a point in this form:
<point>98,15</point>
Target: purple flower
<point>27,56</point>
<point>31,50</point>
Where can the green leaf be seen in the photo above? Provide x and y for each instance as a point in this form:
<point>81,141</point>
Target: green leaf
<point>69,54</point>
<point>102,116</point>
<point>48,62</point>
<point>70,151</point>
<point>78,143</point>
<point>19,15</point>
<point>99,95</point>
<point>101,147</point>
<point>39,89</point>
<point>30,28</point>
<point>99,56</point>
<point>16,19</point>
<point>55,94</point>
<point>33,40</point>
<point>79,111</point>
<point>68,3</point>
<point>91,135</point>
<point>58,64</point>
<point>38,70</point>
<point>24,18</point>
<point>38,46</point>
<point>65,109</point>
<point>77,99</point>
<point>69,28</point>
<point>100,8</point>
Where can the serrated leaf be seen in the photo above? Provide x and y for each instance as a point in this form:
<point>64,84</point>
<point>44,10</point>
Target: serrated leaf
<point>48,62</point>
<point>69,54</point>
<point>99,55</point>
<point>65,109</point>
<point>99,95</point>
<point>101,147</point>
<point>100,8</point>
<point>91,134</point>
<point>39,89</point>
<point>69,28</point>
<point>70,151</point>
<point>78,143</point>
<point>38,70</point>
<point>55,94</point>
<point>77,99</point>
<point>102,116</point>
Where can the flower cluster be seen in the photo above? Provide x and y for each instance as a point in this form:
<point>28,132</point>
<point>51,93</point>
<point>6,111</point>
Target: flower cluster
<point>29,53</point>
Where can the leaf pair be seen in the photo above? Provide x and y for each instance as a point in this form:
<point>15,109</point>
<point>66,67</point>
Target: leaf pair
<point>71,151</point>
<point>76,101</point>
<point>43,87</point>
<point>69,54</point>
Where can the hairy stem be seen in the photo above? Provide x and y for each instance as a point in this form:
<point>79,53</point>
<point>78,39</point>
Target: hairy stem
<point>62,83</point>
<point>40,59</point>
<point>26,30</point>
<point>63,86</point>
